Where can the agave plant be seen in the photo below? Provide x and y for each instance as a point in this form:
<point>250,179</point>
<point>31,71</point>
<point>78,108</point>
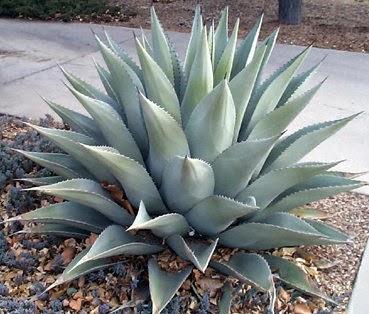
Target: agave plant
<point>194,154</point>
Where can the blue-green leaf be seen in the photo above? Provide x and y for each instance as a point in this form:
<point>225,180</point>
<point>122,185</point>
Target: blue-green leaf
<point>200,79</point>
<point>216,213</point>
<point>158,87</point>
<point>199,253</point>
<point>245,52</point>
<point>162,226</point>
<point>90,194</point>
<point>267,187</point>
<point>69,214</point>
<point>210,128</point>
<point>295,146</point>
<point>166,137</point>
<point>136,182</point>
<point>163,285</point>
<point>234,167</point>
<point>186,181</point>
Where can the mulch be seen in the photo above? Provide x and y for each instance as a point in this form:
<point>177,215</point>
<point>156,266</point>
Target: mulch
<point>38,260</point>
<point>336,24</point>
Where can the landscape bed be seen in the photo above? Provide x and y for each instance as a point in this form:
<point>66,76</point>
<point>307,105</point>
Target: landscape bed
<point>171,161</point>
<point>43,258</point>
<point>335,24</point>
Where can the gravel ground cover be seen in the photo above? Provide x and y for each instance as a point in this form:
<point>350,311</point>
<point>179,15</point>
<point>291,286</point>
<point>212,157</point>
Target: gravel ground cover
<point>336,24</point>
<point>29,264</point>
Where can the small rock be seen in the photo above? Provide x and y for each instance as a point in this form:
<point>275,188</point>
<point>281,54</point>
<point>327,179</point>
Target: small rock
<point>301,309</point>
<point>76,304</point>
<point>78,295</point>
<point>71,291</point>
<point>68,254</point>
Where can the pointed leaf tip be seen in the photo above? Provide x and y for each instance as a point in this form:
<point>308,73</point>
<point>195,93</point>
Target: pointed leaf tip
<point>163,285</point>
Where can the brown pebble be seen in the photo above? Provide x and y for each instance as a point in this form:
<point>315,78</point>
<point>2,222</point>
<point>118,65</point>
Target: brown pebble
<point>78,295</point>
<point>186,285</point>
<point>68,254</point>
<point>284,295</point>
<point>81,281</point>
<point>301,308</point>
<point>76,304</point>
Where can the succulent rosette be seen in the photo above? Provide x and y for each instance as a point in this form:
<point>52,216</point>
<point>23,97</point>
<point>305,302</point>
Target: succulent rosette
<point>193,154</point>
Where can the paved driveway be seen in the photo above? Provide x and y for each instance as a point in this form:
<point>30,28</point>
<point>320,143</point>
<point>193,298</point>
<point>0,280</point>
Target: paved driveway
<point>31,51</point>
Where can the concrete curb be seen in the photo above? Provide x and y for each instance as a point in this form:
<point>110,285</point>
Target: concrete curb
<point>359,301</point>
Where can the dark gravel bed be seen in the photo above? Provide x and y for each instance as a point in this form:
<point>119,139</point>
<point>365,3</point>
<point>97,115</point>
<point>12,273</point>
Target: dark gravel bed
<point>29,264</point>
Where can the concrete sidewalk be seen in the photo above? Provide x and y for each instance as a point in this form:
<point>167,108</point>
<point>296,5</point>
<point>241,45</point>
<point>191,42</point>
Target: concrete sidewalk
<point>30,52</point>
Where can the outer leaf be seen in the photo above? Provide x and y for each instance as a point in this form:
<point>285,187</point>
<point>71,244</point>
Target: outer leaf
<point>267,96</point>
<point>112,126</point>
<point>245,52</point>
<point>72,272</point>
<point>278,230</point>
<point>77,121</point>
<point>293,276</point>
<point>145,43</point>
<point>330,232</point>
<point>127,85</point>
<point>210,128</point>
<point>249,268</point>
<point>163,285</point>
<point>277,121</point>
<point>160,45</point>
<point>313,189</point>
<point>200,79</point>
<point>118,50</point>
<point>86,89</point>
<point>211,42</point>
<point>234,167</point>
<point>114,241</point>
<point>115,63</point>
<point>224,66</point>
<point>269,42</point>
<point>43,180</point>
<point>241,87</point>
<point>296,86</point>
<point>179,78</point>
<point>69,214</point>
<point>88,193</point>
<point>134,178</point>
<point>267,187</point>
<point>198,253</point>
<point>226,299</point>
<point>221,35</point>
<point>274,91</point>
<point>166,137</point>
<point>196,31</point>
<point>61,164</point>
<point>310,213</point>
<point>216,213</point>
<point>158,87</point>
<point>297,145</point>
<point>74,136</point>
<point>186,181</point>
<point>91,91</point>
<point>107,80</point>
<point>162,226</point>
<point>70,142</point>
<point>57,230</point>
